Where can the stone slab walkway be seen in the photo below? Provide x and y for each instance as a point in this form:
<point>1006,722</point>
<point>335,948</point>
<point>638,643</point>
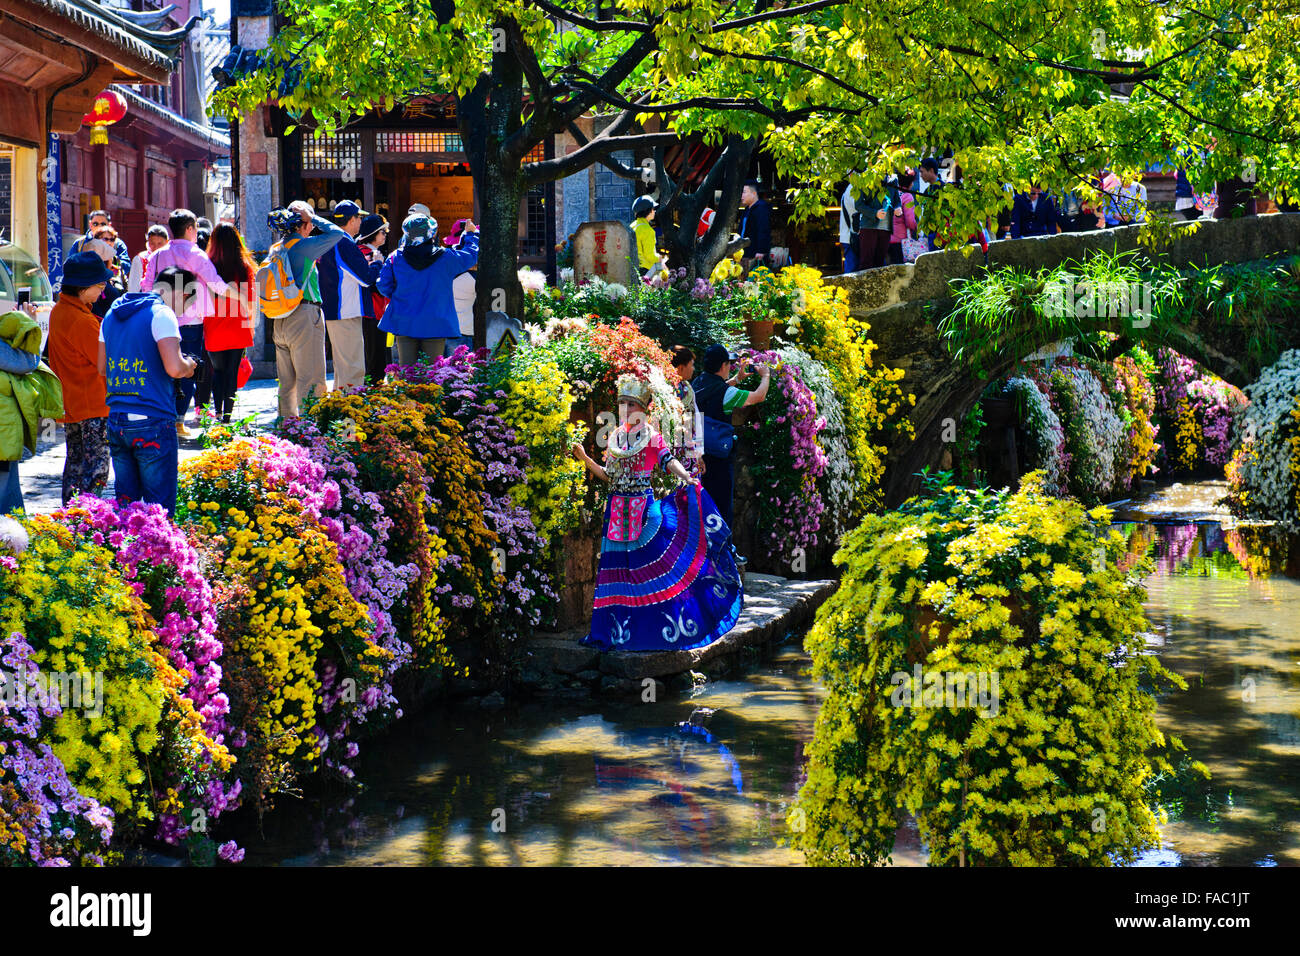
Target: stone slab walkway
<point>774,608</point>
<point>42,473</point>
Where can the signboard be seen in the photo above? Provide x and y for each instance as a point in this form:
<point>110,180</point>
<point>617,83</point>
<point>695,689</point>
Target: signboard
<point>605,249</point>
<point>6,196</point>
<point>448,197</point>
<point>53,212</point>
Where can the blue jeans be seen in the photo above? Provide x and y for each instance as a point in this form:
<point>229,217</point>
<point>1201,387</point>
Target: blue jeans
<point>850,257</point>
<point>191,345</point>
<point>11,490</point>
<point>145,457</point>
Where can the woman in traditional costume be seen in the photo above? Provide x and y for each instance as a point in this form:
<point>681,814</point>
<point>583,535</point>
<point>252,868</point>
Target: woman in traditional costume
<point>667,579</point>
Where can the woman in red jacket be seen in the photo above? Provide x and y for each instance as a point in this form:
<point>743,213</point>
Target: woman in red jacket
<point>229,331</point>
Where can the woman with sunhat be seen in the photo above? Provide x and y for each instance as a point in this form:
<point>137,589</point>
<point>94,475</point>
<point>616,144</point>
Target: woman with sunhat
<point>74,357</point>
<point>667,578</point>
<point>417,279</point>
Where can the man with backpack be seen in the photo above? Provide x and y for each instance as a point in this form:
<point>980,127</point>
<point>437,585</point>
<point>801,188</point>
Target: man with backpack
<point>289,294</point>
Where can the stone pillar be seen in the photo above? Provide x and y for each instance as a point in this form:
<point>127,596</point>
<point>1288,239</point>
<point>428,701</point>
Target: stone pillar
<point>258,160</point>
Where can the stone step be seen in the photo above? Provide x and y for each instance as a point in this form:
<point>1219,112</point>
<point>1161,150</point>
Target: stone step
<point>774,606</point>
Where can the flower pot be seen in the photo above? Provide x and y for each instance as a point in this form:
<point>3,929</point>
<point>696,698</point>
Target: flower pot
<point>759,332</point>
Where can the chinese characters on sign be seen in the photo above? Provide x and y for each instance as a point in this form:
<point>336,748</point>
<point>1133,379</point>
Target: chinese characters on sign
<point>604,249</point>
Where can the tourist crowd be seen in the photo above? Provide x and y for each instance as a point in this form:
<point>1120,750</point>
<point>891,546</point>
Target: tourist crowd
<point>134,342</point>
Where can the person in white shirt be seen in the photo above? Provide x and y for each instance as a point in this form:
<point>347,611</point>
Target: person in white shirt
<point>464,291</point>
<point>154,239</point>
<point>848,209</point>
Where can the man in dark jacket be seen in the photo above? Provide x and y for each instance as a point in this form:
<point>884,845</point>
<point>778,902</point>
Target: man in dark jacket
<point>347,277</point>
<point>1033,214</point>
<point>756,224</point>
<point>98,219</point>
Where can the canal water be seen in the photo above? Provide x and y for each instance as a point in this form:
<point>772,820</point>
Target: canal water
<point>707,780</point>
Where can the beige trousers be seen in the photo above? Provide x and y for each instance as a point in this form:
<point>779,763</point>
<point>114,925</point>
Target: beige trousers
<point>348,345</point>
<point>300,357</point>
<point>409,349</point>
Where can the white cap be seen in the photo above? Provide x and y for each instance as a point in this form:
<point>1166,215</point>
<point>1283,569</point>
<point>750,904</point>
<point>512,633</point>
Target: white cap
<point>419,209</point>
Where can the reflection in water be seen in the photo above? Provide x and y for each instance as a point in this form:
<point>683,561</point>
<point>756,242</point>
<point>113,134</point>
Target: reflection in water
<point>1235,637</point>
<point>708,780</point>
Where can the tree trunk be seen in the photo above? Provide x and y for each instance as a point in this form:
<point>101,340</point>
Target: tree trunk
<point>502,191</point>
<point>701,254</point>
<point>489,114</point>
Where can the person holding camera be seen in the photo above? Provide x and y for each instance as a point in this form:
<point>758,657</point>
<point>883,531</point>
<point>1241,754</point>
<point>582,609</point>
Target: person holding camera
<point>717,397</point>
<point>183,253</point>
<point>140,356</point>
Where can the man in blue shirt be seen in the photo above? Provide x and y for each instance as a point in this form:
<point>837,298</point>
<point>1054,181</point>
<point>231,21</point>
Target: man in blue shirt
<point>346,279</point>
<point>139,356</point>
<point>756,224</point>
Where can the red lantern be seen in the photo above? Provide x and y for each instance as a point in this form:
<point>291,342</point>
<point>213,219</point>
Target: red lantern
<point>108,108</point>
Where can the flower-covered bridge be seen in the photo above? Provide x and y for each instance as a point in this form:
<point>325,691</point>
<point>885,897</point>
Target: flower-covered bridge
<point>1201,310</point>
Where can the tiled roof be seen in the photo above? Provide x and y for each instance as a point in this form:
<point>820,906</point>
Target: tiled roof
<point>158,48</point>
<point>213,137</point>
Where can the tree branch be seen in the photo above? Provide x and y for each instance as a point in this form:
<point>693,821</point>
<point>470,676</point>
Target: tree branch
<point>552,169</point>
<point>799,64</point>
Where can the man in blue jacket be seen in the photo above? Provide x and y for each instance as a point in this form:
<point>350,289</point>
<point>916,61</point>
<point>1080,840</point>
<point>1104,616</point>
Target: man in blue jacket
<point>417,279</point>
<point>1033,214</point>
<point>346,279</point>
<point>756,223</point>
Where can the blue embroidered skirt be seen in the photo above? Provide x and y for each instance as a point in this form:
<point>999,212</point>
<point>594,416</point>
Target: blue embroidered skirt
<point>674,586</point>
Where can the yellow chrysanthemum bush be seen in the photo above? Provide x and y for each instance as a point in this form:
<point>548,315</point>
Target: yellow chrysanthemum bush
<point>537,404</point>
<point>874,404</point>
<point>987,674</point>
<point>301,664</point>
<point>414,456</point>
<point>113,708</point>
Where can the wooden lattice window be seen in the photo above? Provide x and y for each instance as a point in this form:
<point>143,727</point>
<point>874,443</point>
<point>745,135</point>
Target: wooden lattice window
<point>340,151</point>
<point>427,141</point>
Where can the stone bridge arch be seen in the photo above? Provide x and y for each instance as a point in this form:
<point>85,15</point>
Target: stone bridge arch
<point>903,303</point>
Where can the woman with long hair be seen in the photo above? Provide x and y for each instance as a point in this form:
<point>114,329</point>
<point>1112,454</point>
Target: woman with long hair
<point>229,331</point>
<point>667,579</point>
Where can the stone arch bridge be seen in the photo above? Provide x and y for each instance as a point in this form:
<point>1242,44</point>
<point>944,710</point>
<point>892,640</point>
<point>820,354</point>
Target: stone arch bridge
<point>903,303</point>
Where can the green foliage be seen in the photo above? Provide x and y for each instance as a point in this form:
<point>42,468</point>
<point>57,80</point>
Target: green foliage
<point>1242,309</point>
<point>1021,93</point>
<point>1055,768</point>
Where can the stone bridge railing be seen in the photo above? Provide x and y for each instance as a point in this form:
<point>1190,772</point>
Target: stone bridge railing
<point>902,303</point>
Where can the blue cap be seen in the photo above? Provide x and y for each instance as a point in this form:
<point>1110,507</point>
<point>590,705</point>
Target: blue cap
<point>346,210</point>
<point>715,356</point>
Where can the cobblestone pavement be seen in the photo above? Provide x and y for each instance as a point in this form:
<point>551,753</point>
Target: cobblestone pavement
<point>42,473</point>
